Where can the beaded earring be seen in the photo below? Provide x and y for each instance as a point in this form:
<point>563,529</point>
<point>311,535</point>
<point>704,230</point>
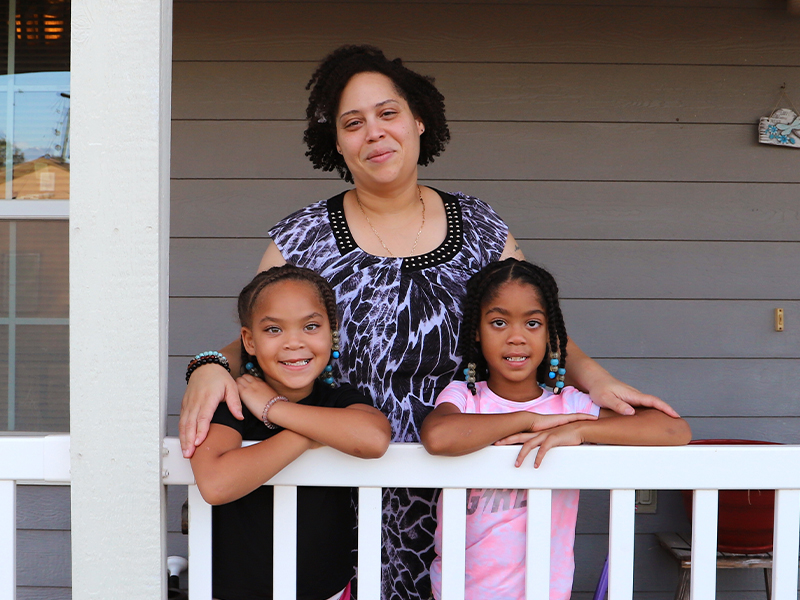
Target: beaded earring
<point>327,372</point>
<point>251,367</point>
<point>469,377</point>
<point>556,372</point>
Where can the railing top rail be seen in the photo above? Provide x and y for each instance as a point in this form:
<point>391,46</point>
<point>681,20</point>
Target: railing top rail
<point>583,467</point>
<point>46,458</point>
<point>35,458</point>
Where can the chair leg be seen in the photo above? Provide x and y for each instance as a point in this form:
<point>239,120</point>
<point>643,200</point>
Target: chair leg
<point>682,593</point>
<point>768,582</point>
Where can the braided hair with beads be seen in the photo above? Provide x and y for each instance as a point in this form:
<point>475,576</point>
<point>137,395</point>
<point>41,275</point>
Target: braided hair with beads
<point>482,288</point>
<point>250,294</point>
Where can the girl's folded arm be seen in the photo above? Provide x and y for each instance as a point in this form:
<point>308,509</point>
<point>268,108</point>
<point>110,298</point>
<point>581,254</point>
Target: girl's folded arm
<point>449,432</point>
<point>359,429</point>
<point>225,471</point>
<point>648,427</point>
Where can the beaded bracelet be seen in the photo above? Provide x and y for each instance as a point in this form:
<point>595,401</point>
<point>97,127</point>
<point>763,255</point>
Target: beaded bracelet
<point>205,358</point>
<point>267,406</point>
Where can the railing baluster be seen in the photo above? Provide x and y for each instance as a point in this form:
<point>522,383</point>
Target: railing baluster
<point>704,544</point>
<point>199,546</point>
<point>284,543</point>
<point>621,538</point>
<point>370,503</point>
<point>454,539</point>
<point>537,545</point>
<point>786,539</point>
<point>8,526</point>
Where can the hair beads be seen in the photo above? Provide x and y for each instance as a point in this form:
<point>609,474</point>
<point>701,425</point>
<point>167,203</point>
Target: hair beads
<point>469,377</point>
<point>557,372</point>
<point>327,374</point>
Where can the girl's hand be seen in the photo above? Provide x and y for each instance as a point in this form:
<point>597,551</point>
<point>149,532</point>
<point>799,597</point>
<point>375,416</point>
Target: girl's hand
<point>208,386</point>
<point>565,435</point>
<point>621,398</point>
<point>255,393</point>
<point>545,422</point>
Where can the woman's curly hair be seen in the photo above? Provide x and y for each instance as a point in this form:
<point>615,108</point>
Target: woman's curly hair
<point>327,84</point>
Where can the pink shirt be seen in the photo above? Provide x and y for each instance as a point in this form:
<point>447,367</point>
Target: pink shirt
<point>496,519</point>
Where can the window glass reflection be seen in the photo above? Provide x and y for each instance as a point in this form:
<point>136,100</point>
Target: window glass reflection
<point>41,135</point>
<point>34,312</point>
<point>41,399</point>
<point>34,108</point>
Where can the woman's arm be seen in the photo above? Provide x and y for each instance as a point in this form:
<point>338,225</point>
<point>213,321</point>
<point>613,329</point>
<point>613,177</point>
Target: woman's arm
<point>511,249</point>
<point>647,427</point>
<point>225,471</point>
<point>586,374</point>
<point>607,391</point>
<point>211,384</point>
<point>359,430</point>
<point>449,432</point>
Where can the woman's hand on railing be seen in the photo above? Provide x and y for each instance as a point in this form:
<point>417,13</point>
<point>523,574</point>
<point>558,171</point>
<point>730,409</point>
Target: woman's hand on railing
<point>208,386</point>
<point>620,397</point>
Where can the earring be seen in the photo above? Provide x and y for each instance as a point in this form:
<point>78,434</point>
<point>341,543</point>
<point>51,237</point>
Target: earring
<point>469,377</point>
<point>556,372</point>
<point>252,369</point>
<point>328,371</point>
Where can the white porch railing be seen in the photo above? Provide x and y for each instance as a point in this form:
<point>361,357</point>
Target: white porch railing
<point>621,470</point>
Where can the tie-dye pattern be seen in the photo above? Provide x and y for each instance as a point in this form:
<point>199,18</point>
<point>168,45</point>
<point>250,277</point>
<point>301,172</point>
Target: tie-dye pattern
<point>399,331</point>
<point>496,519</point>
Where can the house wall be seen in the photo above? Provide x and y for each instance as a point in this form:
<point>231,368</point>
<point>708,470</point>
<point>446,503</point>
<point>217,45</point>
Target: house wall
<point>617,139</point>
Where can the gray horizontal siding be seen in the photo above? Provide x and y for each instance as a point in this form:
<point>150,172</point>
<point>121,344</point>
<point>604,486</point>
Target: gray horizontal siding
<point>43,558</point>
<point>584,269</point>
<point>44,593</point>
<point>563,210</point>
<point>508,151</point>
<point>729,388</point>
<point>489,33</point>
<point>232,90</point>
<point>603,328</point>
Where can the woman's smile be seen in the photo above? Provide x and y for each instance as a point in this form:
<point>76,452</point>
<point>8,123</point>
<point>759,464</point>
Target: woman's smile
<point>379,156</point>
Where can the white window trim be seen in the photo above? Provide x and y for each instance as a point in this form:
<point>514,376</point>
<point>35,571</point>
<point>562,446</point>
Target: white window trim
<point>34,209</point>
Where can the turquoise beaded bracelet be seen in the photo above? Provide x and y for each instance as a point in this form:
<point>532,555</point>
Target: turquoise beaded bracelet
<point>206,358</point>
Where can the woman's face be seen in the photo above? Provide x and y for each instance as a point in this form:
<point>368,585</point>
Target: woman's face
<point>377,134</point>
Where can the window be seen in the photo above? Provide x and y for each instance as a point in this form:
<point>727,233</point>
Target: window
<point>34,206</point>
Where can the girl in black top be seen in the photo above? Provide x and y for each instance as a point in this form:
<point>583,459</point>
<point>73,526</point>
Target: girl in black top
<point>288,318</point>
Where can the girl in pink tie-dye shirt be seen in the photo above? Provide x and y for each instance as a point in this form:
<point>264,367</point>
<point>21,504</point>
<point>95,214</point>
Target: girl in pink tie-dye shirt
<point>513,341</point>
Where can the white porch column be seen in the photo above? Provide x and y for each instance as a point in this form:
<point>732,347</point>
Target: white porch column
<point>119,243</point>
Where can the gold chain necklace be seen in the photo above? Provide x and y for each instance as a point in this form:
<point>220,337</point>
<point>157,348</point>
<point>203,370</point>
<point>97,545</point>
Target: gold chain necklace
<point>375,231</point>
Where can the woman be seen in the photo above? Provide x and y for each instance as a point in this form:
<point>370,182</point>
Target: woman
<point>398,256</point>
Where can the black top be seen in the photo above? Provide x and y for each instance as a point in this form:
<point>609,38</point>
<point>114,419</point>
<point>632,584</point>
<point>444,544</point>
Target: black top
<point>440,255</point>
<point>242,529</point>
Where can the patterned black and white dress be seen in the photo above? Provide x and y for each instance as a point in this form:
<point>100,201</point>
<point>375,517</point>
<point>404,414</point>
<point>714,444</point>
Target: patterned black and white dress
<point>399,331</point>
